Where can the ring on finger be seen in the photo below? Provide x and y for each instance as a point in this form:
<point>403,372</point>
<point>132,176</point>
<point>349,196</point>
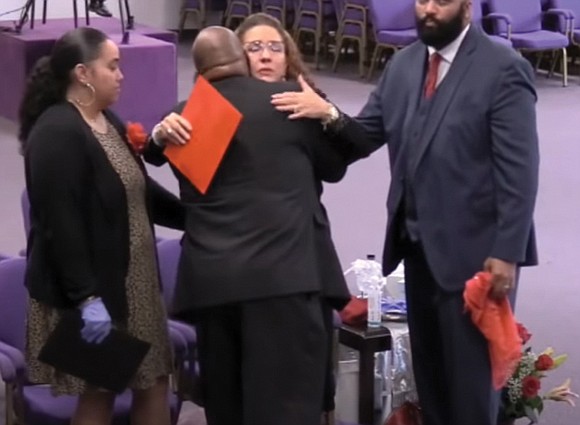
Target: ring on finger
<point>169,131</point>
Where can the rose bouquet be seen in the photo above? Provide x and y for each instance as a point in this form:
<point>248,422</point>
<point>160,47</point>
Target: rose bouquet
<point>521,395</point>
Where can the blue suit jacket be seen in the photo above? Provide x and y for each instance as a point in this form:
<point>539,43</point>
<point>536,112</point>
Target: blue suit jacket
<point>475,162</point>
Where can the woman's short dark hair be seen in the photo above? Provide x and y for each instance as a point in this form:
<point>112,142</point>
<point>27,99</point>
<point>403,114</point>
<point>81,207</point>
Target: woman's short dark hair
<point>51,75</point>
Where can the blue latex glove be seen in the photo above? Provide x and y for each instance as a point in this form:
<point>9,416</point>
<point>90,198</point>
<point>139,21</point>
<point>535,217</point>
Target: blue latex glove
<point>97,321</point>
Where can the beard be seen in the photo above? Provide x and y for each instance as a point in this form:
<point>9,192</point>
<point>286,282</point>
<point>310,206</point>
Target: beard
<point>441,33</point>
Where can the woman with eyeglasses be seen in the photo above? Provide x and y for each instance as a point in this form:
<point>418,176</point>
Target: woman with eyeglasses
<point>274,56</point>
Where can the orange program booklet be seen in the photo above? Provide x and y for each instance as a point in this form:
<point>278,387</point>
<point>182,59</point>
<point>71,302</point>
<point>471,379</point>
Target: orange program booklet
<point>214,121</point>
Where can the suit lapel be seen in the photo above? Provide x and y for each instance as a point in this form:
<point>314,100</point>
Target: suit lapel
<point>414,85</point>
<point>446,91</point>
<point>416,78</point>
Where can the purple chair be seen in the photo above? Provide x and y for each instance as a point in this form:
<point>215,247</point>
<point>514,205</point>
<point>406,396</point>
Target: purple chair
<point>238,10</point>
<point>28,403</point>
<point>316,17</point>
<point>477,19</point>
<point>523,26</point>
<point>282,10</point>
<point>353,25</point>
<point>8,375</point>
<point>168,254</point>
<point>394,25</point>
<point>571,23</point>
<point>196,7</point>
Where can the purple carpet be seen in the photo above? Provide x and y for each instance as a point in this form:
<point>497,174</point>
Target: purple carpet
<point>148,62</point>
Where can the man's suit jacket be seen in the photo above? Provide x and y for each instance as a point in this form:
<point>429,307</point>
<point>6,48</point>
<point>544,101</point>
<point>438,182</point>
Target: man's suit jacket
<point>472,162</point>
<point>253,234</point>
<point>79,239</point>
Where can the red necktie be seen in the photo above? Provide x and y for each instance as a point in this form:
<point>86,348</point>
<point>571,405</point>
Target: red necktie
<point>432,72</point>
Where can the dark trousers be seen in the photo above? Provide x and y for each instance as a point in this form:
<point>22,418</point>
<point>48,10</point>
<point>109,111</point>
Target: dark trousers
<point>263,362</point>
<point>450,355</point>
<point>329,380</point>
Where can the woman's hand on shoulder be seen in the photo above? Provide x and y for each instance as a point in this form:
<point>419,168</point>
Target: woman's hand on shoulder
<point>303,104</point>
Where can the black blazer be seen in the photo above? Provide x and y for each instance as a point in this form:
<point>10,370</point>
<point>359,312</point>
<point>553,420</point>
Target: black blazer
<point>253,234</point>
<point>79,239</point>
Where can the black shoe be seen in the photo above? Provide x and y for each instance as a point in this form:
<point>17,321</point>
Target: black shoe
<point>100,9</point>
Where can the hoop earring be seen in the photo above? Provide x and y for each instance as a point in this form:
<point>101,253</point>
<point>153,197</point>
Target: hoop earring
<point>93,96</point>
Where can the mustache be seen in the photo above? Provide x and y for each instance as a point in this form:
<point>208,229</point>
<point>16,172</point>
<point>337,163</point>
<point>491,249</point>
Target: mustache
<point>429,19</point>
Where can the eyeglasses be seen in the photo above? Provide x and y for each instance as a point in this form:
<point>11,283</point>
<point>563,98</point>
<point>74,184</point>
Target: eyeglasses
<point>259,46</point>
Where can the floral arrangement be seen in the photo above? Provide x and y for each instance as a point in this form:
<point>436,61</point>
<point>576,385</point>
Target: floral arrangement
<point>521,395</point>
<point>137,137</point>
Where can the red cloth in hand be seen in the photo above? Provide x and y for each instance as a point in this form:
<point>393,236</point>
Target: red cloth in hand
<point>408,414</point>
<point>355,312</point>
<point>497,323</point>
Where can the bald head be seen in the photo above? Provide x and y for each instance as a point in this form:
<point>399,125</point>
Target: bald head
<point>218,53</point>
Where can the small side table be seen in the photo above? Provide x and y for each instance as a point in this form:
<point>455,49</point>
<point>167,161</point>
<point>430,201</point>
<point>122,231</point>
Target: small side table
<point>367,341</point>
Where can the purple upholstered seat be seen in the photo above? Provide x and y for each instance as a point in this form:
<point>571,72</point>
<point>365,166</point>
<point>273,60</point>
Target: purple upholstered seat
<point>37,404</point>
<point>394,25</point>
<point>521,22</point>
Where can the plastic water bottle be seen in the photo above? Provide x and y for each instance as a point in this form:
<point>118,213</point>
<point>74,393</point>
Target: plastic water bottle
<point>374,292</point>
<point>374,305</point>
<point>369,279</point>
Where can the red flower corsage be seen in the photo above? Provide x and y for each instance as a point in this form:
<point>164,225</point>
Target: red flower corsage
<point>137,136</point>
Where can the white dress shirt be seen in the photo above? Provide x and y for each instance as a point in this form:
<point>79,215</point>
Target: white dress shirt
<point>448,54</point>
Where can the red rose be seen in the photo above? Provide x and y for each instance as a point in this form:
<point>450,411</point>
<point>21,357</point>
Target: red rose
<point>523,333</point>
<point>544,362</point>
<point>530,386</point>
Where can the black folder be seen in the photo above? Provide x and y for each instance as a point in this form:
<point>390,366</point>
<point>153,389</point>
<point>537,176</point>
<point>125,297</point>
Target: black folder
<point>110,365</point>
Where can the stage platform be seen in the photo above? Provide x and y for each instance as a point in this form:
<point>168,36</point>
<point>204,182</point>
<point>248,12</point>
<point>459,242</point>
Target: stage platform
<point>148,63</point>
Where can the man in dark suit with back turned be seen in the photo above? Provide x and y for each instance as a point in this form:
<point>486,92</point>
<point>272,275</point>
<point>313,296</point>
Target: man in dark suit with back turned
<point>248,274</point>
<point>457,112</point>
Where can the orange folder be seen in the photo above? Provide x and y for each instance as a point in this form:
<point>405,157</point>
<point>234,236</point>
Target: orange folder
<point>214,121</point>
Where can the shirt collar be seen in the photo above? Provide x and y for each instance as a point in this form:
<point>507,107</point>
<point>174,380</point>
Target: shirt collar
<point>449,52</point>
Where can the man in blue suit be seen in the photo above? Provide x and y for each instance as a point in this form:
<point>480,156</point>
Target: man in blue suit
<point>457,112</point>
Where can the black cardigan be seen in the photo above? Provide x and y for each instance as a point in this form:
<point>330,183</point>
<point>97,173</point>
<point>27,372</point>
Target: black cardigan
<point>78,245</point>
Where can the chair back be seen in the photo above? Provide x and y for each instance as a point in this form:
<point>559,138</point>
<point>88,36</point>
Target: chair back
<point>526,15</point>
<point>392,14</point>
<point>168,253</point>
<point>13,302</point>
<point>571,5</point>
<point>353,10</point>
<point>323,8</point>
